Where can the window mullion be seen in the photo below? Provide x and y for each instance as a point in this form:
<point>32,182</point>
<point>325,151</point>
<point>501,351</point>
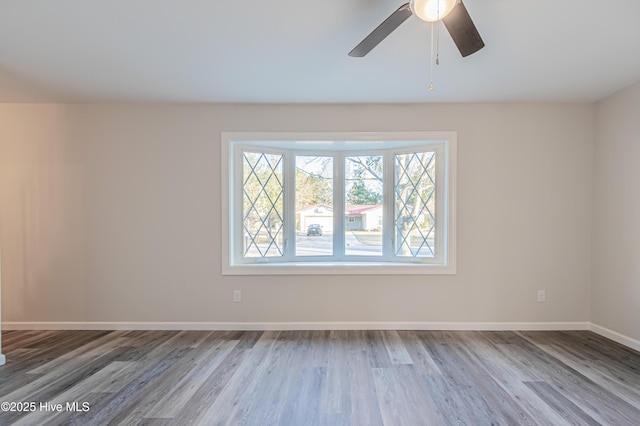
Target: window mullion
<point>388,228</point>
<point>239,200</point>
<point>441,201</point>
<point>338,205</point>
<point>289,205</point>
<point>237,204</point>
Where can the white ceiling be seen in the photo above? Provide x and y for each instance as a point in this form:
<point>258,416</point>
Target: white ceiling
<point>282,51</point>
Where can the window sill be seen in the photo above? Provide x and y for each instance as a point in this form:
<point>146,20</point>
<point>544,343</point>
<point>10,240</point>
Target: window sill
<point>340,268</point>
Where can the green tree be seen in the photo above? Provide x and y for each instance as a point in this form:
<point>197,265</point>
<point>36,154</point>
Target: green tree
<point>359,193</point>
<point>312,189</point>
<point>364,180</point>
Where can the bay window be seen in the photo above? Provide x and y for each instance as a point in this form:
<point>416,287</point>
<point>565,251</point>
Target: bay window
<point>338,203</point>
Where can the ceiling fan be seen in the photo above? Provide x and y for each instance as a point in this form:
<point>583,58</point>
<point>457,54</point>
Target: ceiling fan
<point>452,12</point>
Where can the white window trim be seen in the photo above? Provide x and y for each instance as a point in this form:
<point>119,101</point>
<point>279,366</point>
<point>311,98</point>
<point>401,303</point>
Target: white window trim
<point>370,267</point>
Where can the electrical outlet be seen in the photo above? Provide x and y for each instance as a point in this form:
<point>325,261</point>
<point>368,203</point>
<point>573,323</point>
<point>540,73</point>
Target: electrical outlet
<point>542,296</point>
<point>237,296</point>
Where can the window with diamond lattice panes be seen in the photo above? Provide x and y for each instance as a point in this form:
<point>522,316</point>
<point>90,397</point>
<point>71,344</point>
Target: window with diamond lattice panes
<point>263,204</point>
<point>414,191</point>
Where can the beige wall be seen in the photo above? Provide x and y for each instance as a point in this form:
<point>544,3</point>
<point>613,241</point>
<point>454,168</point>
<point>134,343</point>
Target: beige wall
<point>615,297</point>
<point>112,213</point>
<point>2,357</point>
<point>41,214</point>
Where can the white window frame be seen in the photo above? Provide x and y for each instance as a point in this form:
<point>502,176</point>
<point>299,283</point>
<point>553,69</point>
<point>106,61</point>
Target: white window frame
<point>444,143</point>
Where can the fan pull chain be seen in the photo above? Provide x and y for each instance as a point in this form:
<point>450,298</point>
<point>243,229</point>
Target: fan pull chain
<point>438,37</point>
<point>437,42</point>
<point>431,86</point>
<point>437,48</point>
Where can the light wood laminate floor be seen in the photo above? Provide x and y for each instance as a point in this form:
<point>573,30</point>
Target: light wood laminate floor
<point>318,378</point>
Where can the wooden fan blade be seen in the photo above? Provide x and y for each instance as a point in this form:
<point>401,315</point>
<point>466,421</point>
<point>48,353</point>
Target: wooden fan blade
<point>382,31</point>
<point>463,31</point>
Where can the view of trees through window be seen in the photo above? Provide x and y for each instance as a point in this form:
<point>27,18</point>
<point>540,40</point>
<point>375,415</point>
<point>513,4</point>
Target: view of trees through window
<point>364,177</point>
<point>314,205</point>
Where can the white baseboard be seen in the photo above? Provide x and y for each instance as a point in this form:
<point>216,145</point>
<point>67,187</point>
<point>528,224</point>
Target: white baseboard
<point>3,360</point>
<point>481,326</point>
<point>616,337</point>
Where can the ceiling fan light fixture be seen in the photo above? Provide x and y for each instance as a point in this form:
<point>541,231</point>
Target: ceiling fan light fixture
<point>432,10</point>
<point>452,13</point>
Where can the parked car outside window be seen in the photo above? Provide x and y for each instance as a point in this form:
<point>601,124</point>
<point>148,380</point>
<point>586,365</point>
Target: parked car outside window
<point>314,229</point>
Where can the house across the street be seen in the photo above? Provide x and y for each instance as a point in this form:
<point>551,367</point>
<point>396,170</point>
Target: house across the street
<point>357,217</point>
